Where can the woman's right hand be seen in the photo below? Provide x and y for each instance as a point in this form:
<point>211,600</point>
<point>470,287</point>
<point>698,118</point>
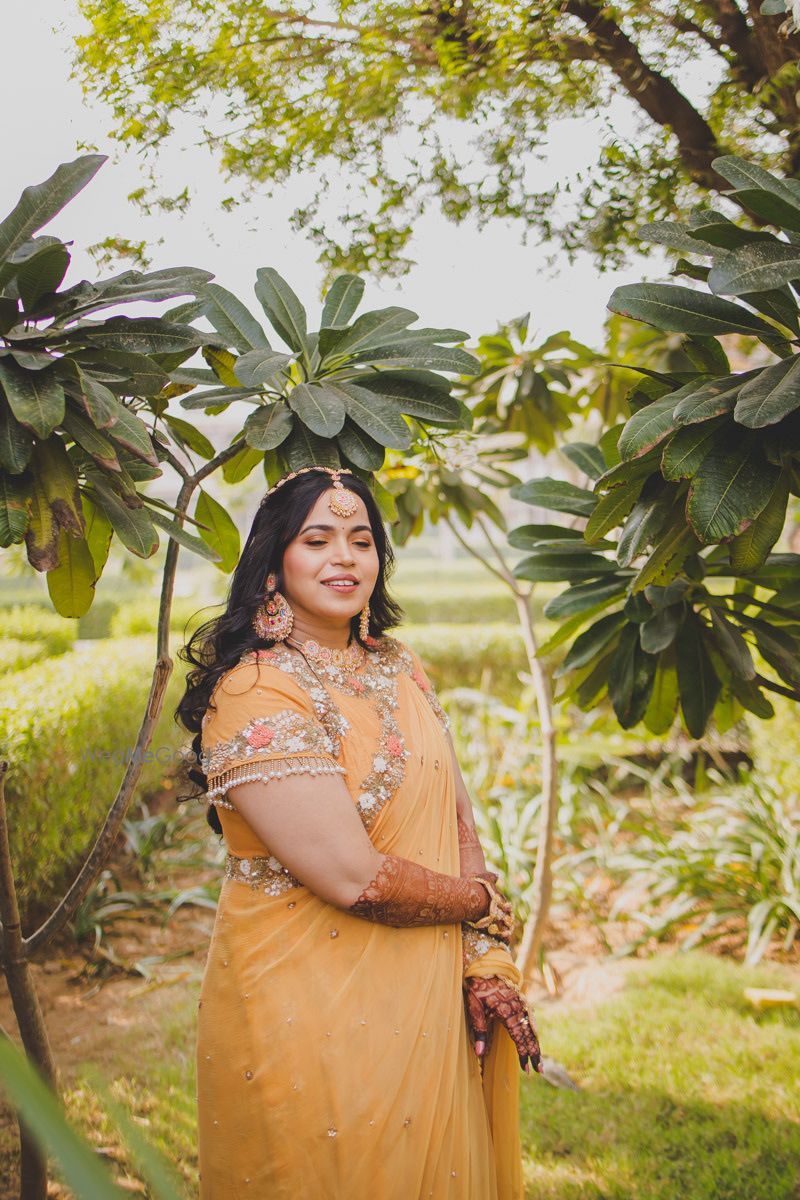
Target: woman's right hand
<point>494,998</point>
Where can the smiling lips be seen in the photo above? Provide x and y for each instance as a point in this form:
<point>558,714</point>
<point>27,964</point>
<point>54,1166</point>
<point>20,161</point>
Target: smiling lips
<point>343,583</point>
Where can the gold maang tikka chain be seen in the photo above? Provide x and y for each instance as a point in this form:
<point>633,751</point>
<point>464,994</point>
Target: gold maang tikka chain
<point>343,502</point>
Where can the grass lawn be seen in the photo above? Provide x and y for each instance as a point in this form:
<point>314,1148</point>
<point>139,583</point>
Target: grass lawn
<point>685,1092</point>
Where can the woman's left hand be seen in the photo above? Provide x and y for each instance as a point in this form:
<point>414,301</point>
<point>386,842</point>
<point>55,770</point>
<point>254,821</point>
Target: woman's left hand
<point>495,998</point>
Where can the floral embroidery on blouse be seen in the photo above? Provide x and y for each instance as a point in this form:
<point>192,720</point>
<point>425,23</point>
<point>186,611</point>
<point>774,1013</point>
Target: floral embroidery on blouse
<point>283,732</point>
<point>261,874</point>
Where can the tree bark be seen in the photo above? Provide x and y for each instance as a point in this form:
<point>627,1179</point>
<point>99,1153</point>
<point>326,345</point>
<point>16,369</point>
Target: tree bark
<point>27,1010</point>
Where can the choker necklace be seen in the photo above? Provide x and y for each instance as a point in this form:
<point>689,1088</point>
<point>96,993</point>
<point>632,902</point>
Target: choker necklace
<point>351,657</point>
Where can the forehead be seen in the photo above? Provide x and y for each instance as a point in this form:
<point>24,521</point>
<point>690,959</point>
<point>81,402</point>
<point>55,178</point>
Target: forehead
<point>320,513</point>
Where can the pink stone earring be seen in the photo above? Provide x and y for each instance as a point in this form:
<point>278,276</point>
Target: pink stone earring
<point>274,618</point>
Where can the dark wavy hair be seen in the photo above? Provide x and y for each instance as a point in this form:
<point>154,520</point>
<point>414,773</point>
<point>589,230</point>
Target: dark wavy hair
<point>218,645</point>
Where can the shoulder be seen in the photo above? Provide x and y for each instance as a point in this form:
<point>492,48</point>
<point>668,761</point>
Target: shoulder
<point>257,672</point>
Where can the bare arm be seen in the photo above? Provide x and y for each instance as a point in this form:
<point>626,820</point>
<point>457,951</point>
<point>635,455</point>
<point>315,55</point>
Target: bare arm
<point>316,833</point>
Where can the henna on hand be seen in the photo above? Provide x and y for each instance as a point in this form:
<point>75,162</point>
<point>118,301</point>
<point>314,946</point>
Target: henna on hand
<point>495,998</point>
<point>470,852</point>
<point>403,893</point>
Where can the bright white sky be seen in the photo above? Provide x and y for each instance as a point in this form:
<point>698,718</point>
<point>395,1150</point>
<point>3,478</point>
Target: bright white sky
<point>465,278</point>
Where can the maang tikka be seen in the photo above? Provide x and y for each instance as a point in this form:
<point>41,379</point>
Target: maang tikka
<point>274,618</point>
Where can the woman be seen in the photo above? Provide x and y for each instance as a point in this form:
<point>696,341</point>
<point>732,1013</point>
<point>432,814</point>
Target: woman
<point>334,1057</point>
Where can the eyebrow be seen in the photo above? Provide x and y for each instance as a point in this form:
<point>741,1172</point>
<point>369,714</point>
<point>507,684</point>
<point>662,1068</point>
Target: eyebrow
<point>331,528</point>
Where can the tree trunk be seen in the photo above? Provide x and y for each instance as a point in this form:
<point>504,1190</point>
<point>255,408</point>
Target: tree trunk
<point>27,1010</point>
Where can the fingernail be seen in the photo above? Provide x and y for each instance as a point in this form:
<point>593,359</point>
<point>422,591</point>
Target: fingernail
<point>527,1068</point>
<point>479,1048</point>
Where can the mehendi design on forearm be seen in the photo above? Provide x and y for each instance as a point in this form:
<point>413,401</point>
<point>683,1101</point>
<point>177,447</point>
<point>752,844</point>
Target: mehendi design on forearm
<point>403,893</point>
<point>470,852</point>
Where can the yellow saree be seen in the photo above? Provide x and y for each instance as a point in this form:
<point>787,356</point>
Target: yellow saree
<point>333,1056</point>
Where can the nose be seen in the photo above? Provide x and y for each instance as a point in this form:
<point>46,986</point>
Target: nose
<point>343,551</point>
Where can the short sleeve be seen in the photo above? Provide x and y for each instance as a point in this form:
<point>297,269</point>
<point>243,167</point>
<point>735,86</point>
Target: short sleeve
<point>261,724</point>
<point>420,677</point>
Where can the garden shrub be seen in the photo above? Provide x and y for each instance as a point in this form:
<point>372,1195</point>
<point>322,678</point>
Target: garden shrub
<point>16,654</point>
<point>140,616</point>
<point>488,657</point>
<point>29,623</point>
<point>57,721</point>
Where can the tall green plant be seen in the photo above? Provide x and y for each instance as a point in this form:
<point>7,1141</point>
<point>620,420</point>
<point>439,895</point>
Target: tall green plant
<point>675,598</point>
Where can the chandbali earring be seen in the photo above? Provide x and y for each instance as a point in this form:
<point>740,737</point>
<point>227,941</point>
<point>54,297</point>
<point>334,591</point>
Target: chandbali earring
<point>363,623</point>
<point>274,618</point>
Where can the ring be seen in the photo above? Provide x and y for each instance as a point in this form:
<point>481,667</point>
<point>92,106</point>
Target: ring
<point>525,1021</point>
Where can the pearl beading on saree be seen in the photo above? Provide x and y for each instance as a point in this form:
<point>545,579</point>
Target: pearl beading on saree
<point>261,874</point>
<point>273,768</point>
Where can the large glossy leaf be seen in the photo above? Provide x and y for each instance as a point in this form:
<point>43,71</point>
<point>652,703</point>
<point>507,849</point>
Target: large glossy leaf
<point>140,335</point>
<point>589,644</point>
<point>413,394</point>
<point>370,329</point>
<point>686,450</point>
<point>769,206</point>
<point>749,550</point>
<point>586,457</point>
<point>612,509</point>
<point>36,398</point>
<point>752,698</point>
<point>189,435</point>
<point>660,630</point>
<point>674,547</point>
<point>778,648</point>
<point>239,467</point>
<point>132,433</point>
<point>731,645</point>
<point>641,528</point>
<point>557,495</point>
<point>525,537</point>
<point>14,494</point>
<point>71,583</point>
<point>545,566</point>
<point>771,395</point>
<point>732,488</point>
<point>86,434</point>
<point>259,367</point>
<point>320,407</point>
<point>745,174</point>
<point>359,448</point>
<point>630,678</point>
<point>124,373</point>
<point>341,301</point>
<point>269,425</point>
<point>16,442</point>
<point>304,449</point>
<point>712,399</point>
<point>41,274</point>
<point>434,358</point>
<point>377,416</point>
<point>283,308</point>
<point>132,526</point>
<point>758,266</point>
<point>684,310</point>
<point>57,475</point>
<point>232,320</point>
<point>220,533</point>
<point>673,234</point>
<point>662,706</point>
<point>651,424</point>
<point>41,537</point>
<point>149,286</point>
<point>39,203</point>
<point>697,680</point>
<point>584,596</point>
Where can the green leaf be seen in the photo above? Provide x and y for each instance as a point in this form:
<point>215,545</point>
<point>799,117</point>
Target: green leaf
<point>758,266</point>
<point>733,648</point>
<point>371,329</point>
<point>150,286</point>
<point>39,203</point>
<point>651,424</point>
<point>269,425</point>
<point>239,467</point>
<point>41,274</point>
<point>377,416</point>
<point>750,549</point>
<point>341,301</point>
<point>139,335</point>
<point>732,488</point>
<point>543,566</point>
<point>122,372</point>
<point>232,320</point>
<point>778,648</point>
<point>434,358</point>
<point>132,433</point>
<point>413,393</point>
<point>660,712</point>
<point>44,1117</point>
<point>259,367</point>
<point>98,533</point>
<point>56,473</point>
<point>745,174</point>
<point>612,509</point>
<point>674,547</point>
<point>283,308</point>
<point>671,233</point>
<point>770,396</point>
<point>525,537</point>
<point>687,449</point>
<point>221,534</point>
<point>697,681</point>
<point>590,643</point>
<point>303,449</point>
<point>557,495</point>
<point>71,583</point>
<point>684,310</point>
<point>36,398</point>
<point>584,596</point>
<point>641,528</point>
<point>630,678</point>
<point>752,698</point>
<point>592,687</point>
<point>586,457</point>
<point>14,494</point>
<point>319,407</point>
<point>359,448</point>
<point>16,442</point>
<point>714,398</point>
<point>132,526</point>
<point>223,364</point>
<point>189,435</point>
<point>660,630</point>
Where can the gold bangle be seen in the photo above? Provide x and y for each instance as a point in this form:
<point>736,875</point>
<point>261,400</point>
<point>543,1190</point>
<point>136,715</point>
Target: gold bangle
<point>495,918</point>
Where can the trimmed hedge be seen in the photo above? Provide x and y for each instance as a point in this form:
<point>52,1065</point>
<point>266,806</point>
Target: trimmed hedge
<point>30,623</point>
<point>67,727</point>
<point>15,654</point>
<point>138,617</point>
<point>488,657</point>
